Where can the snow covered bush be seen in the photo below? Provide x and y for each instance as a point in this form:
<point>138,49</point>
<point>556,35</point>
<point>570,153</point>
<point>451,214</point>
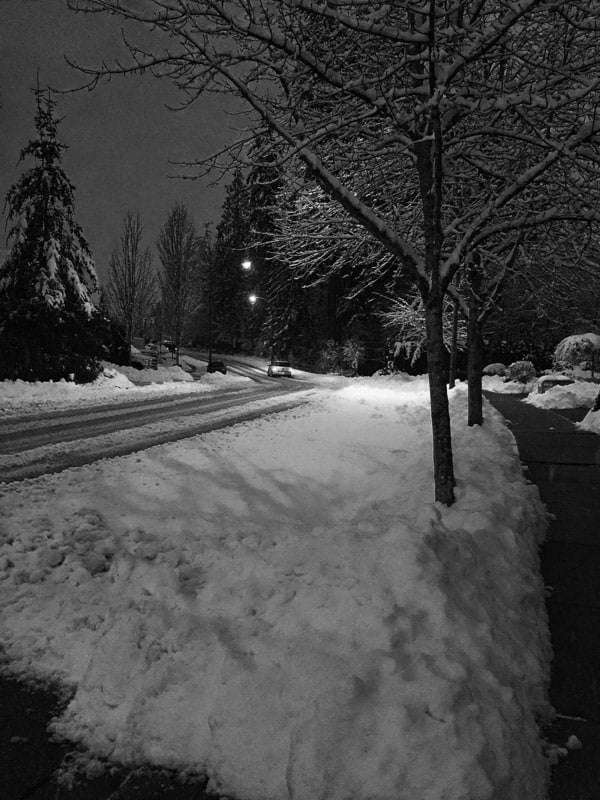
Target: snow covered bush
<point>353,352</point>
<point>330,358</point>
<point>520,371</point>
<point>495,369</point>
<point>577,349</point>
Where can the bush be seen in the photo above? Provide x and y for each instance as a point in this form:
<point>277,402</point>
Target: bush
<point>495,369</point>
<point>46,346</point>
<point>331,358</point>
<point>353,352</point>
<point>520,371</point>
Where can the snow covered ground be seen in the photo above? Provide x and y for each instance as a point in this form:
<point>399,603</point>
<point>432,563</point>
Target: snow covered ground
<point>115,384</point>
<point>282,605</point>
<point>580,394</point>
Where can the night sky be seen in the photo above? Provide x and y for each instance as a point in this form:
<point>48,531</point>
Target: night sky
<point>121,136</point>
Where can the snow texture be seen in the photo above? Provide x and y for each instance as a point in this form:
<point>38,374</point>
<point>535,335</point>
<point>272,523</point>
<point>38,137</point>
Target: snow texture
<point>282,604</point>
<point>117,384</point>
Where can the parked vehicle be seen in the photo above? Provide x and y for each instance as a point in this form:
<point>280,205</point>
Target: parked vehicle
<point>216,366</point>
<point>553,379</point>
<point>277,369</point>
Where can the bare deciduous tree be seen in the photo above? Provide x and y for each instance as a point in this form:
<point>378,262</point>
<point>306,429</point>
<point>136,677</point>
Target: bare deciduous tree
<point>131,288</point>
<point>179,251</point>
<point>475,103</point>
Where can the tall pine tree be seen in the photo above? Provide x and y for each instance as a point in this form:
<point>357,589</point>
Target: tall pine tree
<point>287,324</point>
<point>49,327</point>
<point>231,316</point>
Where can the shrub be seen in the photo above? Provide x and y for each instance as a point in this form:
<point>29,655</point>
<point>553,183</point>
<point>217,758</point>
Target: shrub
<point>352,353</point>
<point>330,358</point>
<point>520,371</point>
<point>495,369</point>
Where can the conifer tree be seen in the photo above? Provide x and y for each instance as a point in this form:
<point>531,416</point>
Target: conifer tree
<point>229,292</point>
<point>49,327</point>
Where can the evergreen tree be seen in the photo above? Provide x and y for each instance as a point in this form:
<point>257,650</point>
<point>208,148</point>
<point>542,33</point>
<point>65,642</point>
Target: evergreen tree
<point>229,291</point>
<point>49,327</point>
<point>288,319</point>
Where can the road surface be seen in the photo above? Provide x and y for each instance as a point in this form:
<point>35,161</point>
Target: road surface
<point>40,444</point>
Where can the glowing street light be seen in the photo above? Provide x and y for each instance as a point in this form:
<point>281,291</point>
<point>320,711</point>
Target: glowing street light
<point>247,264</point>
<point>252,298</point>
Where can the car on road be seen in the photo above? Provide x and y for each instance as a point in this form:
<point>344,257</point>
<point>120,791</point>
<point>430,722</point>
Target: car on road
<point>216,366</point>
<point>277,369</point>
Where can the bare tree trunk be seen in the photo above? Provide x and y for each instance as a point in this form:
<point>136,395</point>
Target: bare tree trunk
<point>429,167</point>
<point>440,414</point>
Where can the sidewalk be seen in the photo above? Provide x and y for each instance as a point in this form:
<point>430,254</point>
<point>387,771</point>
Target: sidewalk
<point>565,465</point>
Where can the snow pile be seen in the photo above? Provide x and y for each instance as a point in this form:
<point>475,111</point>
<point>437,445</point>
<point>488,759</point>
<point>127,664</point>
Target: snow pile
<point>160,374</point>
<point>591,422</point>
<point>498,384</point>
<point>114,383</point>
<point>574,395</point>
<point>282,605</point>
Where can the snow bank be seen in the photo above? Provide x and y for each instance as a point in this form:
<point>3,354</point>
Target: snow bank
<point>160,374</point>
<point>591,422</point>
<point>282,605</point>
<point>119,384</point>
<point>496,383</point>
<point>574,395</point>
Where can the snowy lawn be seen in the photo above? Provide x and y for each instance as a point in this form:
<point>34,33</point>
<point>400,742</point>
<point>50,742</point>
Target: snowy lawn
<point>282,605</point>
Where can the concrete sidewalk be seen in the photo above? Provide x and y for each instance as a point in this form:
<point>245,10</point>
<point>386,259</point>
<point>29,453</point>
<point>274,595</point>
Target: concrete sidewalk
<point>564,463</point>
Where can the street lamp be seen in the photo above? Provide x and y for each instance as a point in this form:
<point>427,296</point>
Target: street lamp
<point>252,298</point>
<point>210,315</point>
<point>246,264</point>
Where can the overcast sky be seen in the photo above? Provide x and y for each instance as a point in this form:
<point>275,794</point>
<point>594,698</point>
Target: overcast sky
<point>120,136</point>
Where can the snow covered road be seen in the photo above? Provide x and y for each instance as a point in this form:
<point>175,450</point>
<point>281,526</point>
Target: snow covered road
<point>41,444</point>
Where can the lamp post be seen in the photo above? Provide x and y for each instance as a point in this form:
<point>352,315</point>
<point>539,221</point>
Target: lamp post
<point>252,298</point>
<point>210,310</point>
